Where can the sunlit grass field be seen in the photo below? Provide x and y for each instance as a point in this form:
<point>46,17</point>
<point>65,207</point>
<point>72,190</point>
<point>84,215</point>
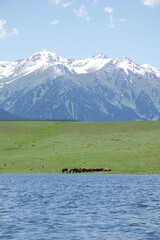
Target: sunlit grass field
<point>125,147</point>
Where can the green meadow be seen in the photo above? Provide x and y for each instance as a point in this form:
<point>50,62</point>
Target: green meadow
<point>125,147</point>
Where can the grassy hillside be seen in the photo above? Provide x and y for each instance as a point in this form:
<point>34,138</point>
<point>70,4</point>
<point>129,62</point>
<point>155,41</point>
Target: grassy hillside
<point>125,147</point>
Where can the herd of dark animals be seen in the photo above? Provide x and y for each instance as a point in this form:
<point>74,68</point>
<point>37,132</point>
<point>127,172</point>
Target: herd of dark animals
<point>83,170</point>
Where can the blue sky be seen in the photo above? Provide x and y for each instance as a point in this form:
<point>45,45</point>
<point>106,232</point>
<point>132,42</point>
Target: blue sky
<point>81,28</point>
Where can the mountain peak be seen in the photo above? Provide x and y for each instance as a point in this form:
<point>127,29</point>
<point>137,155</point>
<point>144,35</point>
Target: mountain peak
<point>99,55</point>
<point>44,52</point>
<point>45,59</point>
<point>151,69</point>
<point>124,59</point>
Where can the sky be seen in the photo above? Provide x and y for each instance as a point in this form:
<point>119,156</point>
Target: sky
<point>81,28</point>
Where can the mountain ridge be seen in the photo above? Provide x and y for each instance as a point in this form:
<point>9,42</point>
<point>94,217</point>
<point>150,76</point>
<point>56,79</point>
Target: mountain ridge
<point>45,59</point>
<point>46,85</point>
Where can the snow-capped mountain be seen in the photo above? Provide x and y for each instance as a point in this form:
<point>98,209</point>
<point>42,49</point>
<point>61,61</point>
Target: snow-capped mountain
<point>41,60</point>
<point>90,64</point>
<point>7,68</point>
<point>44,59</point>
<point>93,89</point>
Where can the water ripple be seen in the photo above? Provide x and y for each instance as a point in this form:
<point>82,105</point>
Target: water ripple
<point>79,206</point>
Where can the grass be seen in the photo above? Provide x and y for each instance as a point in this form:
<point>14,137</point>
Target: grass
<point>125,147</point>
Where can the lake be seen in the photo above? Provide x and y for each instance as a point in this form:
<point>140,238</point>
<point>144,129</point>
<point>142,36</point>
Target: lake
<point>79,206</point>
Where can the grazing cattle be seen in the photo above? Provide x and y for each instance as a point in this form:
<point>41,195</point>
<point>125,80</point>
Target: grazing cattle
<point>64,170</point>
<point>76,170</point>
<point>107,170</point>
<point>90,170</point>
<point>83,170</point>
<point>99,169</point>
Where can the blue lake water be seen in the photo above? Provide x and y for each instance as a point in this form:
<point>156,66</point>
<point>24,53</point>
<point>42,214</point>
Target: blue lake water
<point>79,206</point>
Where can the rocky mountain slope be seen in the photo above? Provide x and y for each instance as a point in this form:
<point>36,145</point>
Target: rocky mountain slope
<point>46,85</point>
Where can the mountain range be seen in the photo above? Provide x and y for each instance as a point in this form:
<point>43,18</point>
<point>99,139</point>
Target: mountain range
<point>99,88</point>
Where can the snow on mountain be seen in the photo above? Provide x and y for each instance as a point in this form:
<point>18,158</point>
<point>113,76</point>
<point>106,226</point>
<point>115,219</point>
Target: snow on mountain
<point>44,59</point>
<point>127,65</point>
<point>40,61</point>
<point>46,85</point>
<point>7,68</point>
<point>90,64</point>
<point>150,69</point>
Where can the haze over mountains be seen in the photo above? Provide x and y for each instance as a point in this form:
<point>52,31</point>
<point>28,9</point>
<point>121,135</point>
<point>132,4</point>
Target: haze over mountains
<point>5,115</point>
<point>46,85</point>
